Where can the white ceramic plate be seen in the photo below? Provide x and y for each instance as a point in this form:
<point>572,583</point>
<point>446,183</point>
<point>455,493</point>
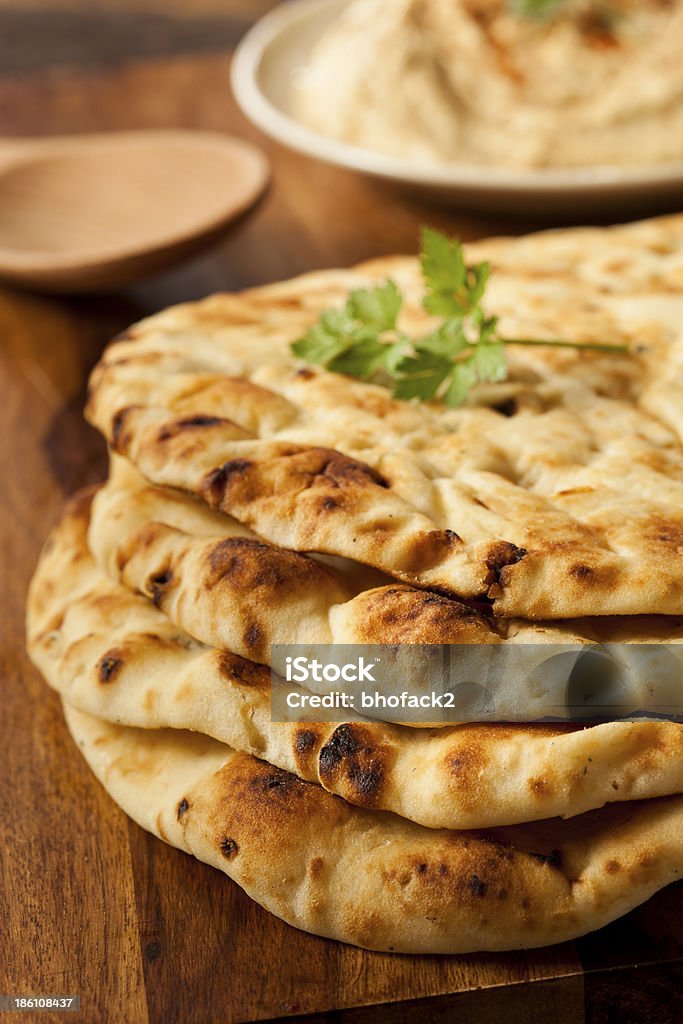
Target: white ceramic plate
<point>277,47</point>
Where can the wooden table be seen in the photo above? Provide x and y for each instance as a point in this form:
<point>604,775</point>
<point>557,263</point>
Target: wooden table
<point>93,905</point>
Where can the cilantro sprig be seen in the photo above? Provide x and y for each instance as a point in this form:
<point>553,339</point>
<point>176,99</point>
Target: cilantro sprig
<point>363,339</point>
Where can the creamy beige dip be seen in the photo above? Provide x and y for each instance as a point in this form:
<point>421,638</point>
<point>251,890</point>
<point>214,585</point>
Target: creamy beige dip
<point>470,81</point>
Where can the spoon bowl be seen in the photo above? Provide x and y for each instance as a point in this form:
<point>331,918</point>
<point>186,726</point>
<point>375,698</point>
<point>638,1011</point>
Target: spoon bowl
<point>85,213</point>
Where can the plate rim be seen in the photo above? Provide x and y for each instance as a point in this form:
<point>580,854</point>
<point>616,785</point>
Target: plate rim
<point>257,106</point>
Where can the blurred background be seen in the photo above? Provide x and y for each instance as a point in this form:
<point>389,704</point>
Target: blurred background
<point>68,66</point>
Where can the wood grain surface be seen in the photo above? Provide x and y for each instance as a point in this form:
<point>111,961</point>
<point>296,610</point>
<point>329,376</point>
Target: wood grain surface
<point>91,904</point>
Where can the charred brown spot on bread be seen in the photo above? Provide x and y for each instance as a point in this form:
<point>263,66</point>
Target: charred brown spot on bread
<point>664,530</point>
<point>342,469</point>
<point>342,743</point>
<point>478,887</point>
<point>316,867</point>
<point>501,555</point>
<point>291,470</point>
<point>404,614</point>
<point>246,559</point>
<point>670,538</point>
<point>585,575</point>
<point>539,787</point>
<point>580,571</point>
<point>306,739</point>
<point>264,806</point>
<point>305,374</point>
<point>329,504</point>
<point>274,781</point>
<point>241,672</point>
<point>552,859</point>
<point>469,873</point>
<point>158,584</point>
<point>120,437</point>
<point>612,867</point>
<point>175,427</point>
<point>500,851</point>
<point>109,666</point>
<point>468,759</point>
<point>253,637</point>
<point>250,562</point>
<point>350,760</point>
<point>183,807</point>
<point>305,744</point>
<point>217,482</point>
<point>365,781</point>
<point>247,565</point>
<point>229,847</point>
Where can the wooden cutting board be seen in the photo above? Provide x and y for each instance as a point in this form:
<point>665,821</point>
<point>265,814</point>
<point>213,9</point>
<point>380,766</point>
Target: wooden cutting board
<point>92,905</point>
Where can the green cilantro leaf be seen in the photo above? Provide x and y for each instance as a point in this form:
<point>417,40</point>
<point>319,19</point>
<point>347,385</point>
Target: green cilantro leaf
<point>377,308</point>
<point>333,334</point>
<point>462,380</point>
<point>453,288</point>
<point>360,360</point>
<point>488,361</point>
<point>443,268</point>
<point>478,276</point>
<point>394,353</point>
<point>421,375</point>
<point>446,340</point>
<point>363,339</point>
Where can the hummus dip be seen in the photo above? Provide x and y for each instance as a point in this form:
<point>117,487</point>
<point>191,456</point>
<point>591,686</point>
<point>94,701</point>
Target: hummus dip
<point>474,81</point>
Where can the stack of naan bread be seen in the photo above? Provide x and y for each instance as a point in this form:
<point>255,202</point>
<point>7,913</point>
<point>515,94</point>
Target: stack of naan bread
<point>254,500</point>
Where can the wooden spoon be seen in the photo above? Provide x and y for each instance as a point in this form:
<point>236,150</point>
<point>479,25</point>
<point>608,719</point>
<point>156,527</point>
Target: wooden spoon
<point>94,212</point>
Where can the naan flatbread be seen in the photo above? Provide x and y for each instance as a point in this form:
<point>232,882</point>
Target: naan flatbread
<point>372,878</point>
<point>218,582</point>
<point>555,494</point>
<point>112,654</point>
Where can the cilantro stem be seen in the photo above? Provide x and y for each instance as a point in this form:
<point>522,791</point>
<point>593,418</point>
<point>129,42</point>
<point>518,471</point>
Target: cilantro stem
<point>591,346</point>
